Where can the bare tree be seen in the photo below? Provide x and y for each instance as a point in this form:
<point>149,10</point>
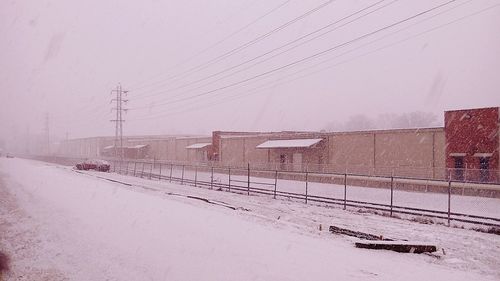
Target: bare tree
<point>359,122</point>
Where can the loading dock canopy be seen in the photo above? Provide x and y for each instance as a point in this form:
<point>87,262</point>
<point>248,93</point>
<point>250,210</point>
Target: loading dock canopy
<point>198,145</point>
<point>483,155</point>
<point>139,146</point>
<point>296,143</point>
<point>457,154</point>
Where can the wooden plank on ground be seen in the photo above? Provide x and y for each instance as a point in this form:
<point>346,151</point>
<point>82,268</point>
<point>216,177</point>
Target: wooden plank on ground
<point>398,246</point>
<point>358,234</point>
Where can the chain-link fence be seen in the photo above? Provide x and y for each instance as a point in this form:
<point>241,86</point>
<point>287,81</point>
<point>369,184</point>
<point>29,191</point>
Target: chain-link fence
<point>444,200</point>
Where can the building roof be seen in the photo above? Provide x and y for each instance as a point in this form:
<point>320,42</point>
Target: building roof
<point>198,145</point>
<point>127,147</point>
<point>139,146</point>
<point>295,143</point>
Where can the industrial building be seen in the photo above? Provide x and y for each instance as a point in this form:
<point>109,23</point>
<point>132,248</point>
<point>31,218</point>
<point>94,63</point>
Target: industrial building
<point>466,148</point>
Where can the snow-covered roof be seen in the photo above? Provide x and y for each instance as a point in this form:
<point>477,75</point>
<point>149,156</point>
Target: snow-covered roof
<point>483,155</point>
<point>139,146</point>
<point>125,147</point>
<point>296,143</point>
<point>198,145</point>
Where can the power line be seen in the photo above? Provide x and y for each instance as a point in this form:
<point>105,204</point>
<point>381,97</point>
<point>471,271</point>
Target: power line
<point>275,49</point>
<point>274,84</point>
<point>250,43</point>
<point>316,55</point>
<point>231,35</point>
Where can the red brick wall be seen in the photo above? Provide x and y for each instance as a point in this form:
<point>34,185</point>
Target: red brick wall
<point>472,131</point>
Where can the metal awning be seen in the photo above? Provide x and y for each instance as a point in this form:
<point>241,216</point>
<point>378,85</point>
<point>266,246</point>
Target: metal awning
<point>457,154</point>
<point>199,145</point>
<point>295,143</point>
<point>483,155</point>
<point>109,147</point>
<point>139,146</point>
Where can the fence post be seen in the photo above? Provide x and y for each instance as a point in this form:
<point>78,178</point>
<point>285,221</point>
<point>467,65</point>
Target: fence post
<point>142,171</point>
<point>248,179</point>
<point>135,167</point>
<point>159,175</point>
<point>449,201</point>
<point>306,185</point>
<point>151,170</point>
<point>171,167</point>
<point>345,190</point>
<point>126,169</point>
<point>392,190</point>
<point>182,175</point>
<point>275,182</point>
<point>229,180</point>
<point>212,178</point>
<point>195,175</point>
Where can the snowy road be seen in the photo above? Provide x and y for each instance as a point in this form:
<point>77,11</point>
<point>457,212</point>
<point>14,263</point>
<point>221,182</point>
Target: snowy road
<point>61,225</point>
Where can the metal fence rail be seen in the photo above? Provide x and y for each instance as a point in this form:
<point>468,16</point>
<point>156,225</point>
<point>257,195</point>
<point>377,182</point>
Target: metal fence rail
<point>298,186</point>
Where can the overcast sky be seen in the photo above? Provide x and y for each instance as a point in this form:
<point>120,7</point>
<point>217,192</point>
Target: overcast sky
<point>181,62</point>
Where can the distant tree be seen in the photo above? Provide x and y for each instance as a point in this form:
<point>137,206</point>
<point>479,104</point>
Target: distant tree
<point>334,126</point>
<point>416,119</point>
<point>359,122</point>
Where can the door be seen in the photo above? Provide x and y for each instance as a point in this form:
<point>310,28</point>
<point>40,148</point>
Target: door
<point>484,166</point>
<point>459,168</point>
<point>283,161</point>
<point>297,161</point>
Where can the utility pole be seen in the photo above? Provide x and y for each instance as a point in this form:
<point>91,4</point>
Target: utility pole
<point>119,101</point>
<point>47,132</point>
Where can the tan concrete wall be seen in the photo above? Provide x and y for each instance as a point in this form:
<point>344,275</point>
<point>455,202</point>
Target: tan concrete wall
<point>170,146</point>
<point>404,153</point>
<point>403,149</point>
<point>351,150</point>
<point>181,153</point>
<point>232,151</point>
<point>439,154</point>
<point>253,154</point>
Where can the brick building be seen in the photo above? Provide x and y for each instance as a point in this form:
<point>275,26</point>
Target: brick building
<point>472,143</point>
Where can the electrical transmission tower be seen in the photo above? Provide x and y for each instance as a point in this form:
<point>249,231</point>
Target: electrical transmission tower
<point>119,101</point>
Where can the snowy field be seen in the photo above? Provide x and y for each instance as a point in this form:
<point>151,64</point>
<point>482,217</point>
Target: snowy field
<point>61,225</point>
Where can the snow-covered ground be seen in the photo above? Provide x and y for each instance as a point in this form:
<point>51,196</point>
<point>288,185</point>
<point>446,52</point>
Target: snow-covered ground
<point>470,205</point>
<point>61,225</point>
